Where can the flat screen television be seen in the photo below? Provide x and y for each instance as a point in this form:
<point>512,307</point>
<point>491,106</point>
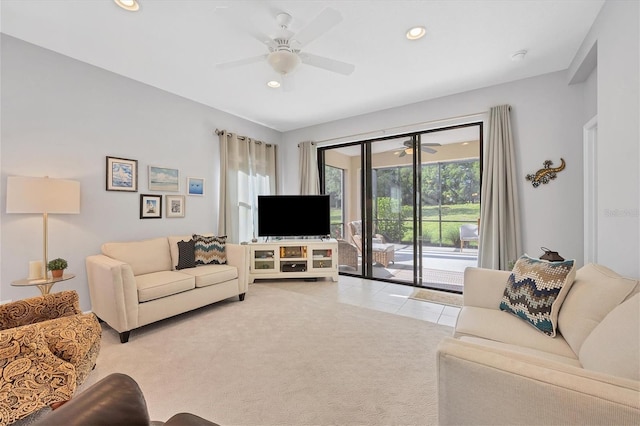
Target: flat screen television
<point>293,216</point>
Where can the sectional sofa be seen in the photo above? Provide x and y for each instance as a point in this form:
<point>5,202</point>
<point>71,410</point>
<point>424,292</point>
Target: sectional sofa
<point>498,369</point>
<point>135,283</point>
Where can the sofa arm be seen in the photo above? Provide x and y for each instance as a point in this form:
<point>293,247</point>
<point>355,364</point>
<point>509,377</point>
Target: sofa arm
<point>114,400</point>
<point>38,309</point>
<point>32,377</point>
<point>113,292</point>
<point>482,385</point>
<point>238,256</point>
<point>483,288</point>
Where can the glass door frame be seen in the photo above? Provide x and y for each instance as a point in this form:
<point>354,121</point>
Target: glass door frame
<point>366,197</point>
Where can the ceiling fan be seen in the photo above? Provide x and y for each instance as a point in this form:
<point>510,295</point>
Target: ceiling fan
<point>408,149</point>
<point>285,49</point>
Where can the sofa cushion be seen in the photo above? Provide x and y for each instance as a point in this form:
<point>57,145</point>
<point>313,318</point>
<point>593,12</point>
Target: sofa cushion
<point>536,289</point>
<point>186,255</point>
<point>613,347</point>
<point>173,246</point>
<point>595,292</point>
<point>503,327</point>
<point>210,250</point>
<point>207,275</point>
<point>160,284</point>
<point>144,257</point>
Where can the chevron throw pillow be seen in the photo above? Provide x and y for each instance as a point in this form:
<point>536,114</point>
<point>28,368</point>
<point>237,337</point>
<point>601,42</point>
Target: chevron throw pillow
<point>536,289</point>
<point>210,250</point>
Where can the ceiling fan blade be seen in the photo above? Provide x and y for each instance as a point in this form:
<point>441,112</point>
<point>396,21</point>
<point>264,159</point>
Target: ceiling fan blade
<point>327,19</point>
<point>431,144</point>
<point>327,64</point>
<point>429,150</point>
<point>245,61</point>
<point>402,153</point>
<point>263,38</point>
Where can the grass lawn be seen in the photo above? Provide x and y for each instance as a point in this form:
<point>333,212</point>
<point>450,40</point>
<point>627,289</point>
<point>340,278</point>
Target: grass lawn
<point>439,227</point>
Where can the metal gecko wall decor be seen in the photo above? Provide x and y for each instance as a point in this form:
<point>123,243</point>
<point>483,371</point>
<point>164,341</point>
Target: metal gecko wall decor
<point>545,174</point>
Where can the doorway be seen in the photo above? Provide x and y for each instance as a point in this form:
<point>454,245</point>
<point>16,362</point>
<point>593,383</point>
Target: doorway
<point>399,204</point>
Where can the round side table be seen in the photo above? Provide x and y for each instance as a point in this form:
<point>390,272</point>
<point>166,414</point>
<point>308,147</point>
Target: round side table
<point>42,284</point>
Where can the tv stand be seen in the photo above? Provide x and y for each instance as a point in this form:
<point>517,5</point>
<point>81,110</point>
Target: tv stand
<point>295,258</point>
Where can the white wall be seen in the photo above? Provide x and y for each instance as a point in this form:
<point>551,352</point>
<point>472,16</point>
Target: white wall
<point>61,118</point>
<point>616,33</point>
<point>617,30</point>
<point>547,116</point>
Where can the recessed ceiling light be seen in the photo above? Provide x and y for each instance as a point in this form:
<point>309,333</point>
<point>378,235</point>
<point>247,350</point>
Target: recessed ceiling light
<point>519,55</point>
<point>416,33</point>
<point>273,84</point>
<point>130,5</point>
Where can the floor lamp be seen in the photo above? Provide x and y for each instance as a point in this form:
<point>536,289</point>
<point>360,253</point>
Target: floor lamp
<point>43,196</point>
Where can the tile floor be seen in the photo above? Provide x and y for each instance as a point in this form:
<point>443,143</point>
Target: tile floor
<point>381,296</point>
<point>393,298</point>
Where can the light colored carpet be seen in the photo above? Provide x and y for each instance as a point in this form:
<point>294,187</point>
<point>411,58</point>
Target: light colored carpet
<point>444,297</point>
<point>282,357</point>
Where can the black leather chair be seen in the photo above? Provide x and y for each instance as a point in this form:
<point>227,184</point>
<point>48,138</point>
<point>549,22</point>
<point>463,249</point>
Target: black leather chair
<point>115,400</point>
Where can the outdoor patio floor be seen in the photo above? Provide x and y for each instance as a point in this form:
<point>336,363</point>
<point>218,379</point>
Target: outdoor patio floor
<point>443,267</point>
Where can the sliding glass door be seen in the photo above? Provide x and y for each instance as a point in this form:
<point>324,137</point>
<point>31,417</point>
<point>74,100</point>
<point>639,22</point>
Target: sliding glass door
<point>400,205</point>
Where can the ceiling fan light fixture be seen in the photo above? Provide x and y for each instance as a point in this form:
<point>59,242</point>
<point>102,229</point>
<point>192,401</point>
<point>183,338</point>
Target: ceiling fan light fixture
<point>416,33</point>
<point>283,61</point>
<point>130,5</point>
<point>274,84</point>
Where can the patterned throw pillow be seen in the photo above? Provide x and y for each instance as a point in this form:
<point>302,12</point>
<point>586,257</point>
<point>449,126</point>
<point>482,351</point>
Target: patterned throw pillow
<point>186,254</point>
<point>210,250</point>
<point>536,289</point>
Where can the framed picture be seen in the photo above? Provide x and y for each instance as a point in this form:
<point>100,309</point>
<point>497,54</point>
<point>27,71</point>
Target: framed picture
<point>195,186</point>
<point>163,179</point>
<point>150,206</point>
<point>122,174</point>
<point>175,205</point>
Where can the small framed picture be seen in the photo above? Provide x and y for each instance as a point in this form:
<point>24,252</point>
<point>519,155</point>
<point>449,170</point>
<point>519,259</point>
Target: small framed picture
<point>122,174</point>
<point>163,179</point>
<point>175,205</point>
<point>150,206</point>
<point>195,186</point>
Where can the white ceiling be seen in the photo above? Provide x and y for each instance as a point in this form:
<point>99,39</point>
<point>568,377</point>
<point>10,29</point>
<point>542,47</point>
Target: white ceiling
<point>175,45</point>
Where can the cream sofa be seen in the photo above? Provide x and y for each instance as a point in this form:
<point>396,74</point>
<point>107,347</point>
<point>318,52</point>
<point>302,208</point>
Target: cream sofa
<point>136,283</point>
<point>498,369</point>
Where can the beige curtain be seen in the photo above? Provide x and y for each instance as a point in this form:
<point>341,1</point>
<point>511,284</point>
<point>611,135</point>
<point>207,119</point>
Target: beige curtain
<point>500,234</point>
<point>247,169</point>
<point>308,169</point>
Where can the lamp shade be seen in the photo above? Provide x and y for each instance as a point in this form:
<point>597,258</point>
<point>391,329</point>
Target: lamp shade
<point>42,195</point>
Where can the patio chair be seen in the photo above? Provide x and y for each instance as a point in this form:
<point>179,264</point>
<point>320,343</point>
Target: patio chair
<point>383,253</point>
<point>468,232</point>
<point>347,254</point>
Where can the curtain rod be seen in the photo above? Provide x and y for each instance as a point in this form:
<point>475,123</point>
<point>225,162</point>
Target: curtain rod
<point>242,138</point>
<point>219,132</point>
<point>312,143</point>
<point>384,132</point>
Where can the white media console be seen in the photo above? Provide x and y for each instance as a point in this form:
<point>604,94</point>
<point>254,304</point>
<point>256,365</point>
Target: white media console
<point>294,258</point>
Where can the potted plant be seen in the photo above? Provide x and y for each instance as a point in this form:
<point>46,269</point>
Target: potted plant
<point>57,266</point>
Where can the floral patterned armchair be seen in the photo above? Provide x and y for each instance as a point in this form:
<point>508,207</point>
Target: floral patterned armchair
<point>47,348</point>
